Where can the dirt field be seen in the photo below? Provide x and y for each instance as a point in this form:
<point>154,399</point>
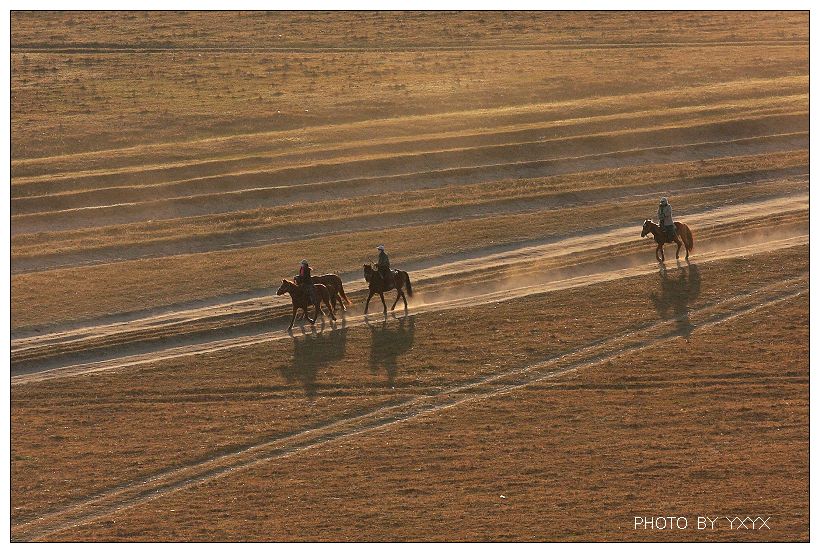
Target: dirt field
<point>549,381</point>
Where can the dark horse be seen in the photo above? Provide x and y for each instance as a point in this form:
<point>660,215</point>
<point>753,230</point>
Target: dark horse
<point>301,300</point>
<point>684,237</point>
<point>377,285</point>
<point>334,288</point>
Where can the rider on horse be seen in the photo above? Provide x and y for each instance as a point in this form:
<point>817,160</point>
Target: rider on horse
<point>383,266</point>
<point>305,281</point>
<point>665,218</point>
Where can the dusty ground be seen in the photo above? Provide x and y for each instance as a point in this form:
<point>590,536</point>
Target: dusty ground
<point>549,381</point>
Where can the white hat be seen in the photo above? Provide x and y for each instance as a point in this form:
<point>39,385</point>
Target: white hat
<point>304,262</point>
<point>380,248</point>
<point>664,200</point>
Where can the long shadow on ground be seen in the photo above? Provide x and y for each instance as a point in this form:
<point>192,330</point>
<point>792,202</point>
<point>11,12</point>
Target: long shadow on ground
<point>313,352</point>
<point>388,342</point>
<point>677,290</point>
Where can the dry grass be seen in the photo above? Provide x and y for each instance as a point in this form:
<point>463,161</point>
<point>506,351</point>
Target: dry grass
<point>130,423</point>
<point>63,295</point>
<point>96,101</point>
<point>448,134</point>
<point>387,29</point>
<point>335,212</point>
<point>575,446</point>
<point>753,96</point>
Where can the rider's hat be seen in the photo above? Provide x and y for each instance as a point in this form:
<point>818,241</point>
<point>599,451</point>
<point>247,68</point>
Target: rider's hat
<point>664,201</point>
<point>304,262</point>
<point>380,248</point>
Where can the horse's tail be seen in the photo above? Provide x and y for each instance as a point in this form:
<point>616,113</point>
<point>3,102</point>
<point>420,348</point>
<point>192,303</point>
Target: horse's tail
<point>409,286</point>
<point>688,238</point>
<point>342,294</point>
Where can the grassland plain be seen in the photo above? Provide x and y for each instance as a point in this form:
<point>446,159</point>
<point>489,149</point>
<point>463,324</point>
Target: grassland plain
<point>574,458</point>
<point>168,169</point>
<point>270,391</point>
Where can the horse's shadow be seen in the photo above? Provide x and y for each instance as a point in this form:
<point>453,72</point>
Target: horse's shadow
<point>388,342</point>
<point>677,291</point>
<point>313,351</point>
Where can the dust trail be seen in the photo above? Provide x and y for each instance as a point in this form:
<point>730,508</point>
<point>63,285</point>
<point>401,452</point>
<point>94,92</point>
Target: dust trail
<point>435,268</point>
<point>451,300</point>
<point>518,269</point>
<point>576,261</point>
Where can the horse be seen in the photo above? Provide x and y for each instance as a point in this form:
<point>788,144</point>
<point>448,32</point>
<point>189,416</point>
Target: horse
<point>377,285</point>
<point>335,288</point>
<point>661,238</point>
<point>301,300</point>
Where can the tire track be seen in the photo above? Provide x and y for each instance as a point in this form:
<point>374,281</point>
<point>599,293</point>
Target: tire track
<point>153,175</point>
<point>318,49</point>
<point>501,292</point>
<point>417,164</point>
<point>669,99</point>
<point>183,477</point>
<point>266,196</point>
<point>80,256</point>
<point>492,258</point>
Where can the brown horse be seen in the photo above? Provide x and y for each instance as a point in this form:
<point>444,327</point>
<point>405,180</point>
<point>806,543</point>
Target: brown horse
<point>683,237</point>
<point>301,300</point>
<point>335,288</point>
<point>377,285</point>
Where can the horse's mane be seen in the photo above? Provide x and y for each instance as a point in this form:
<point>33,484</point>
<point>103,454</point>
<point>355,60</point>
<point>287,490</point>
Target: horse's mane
<point>290,282</point>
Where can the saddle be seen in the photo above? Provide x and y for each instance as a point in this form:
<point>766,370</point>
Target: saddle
<point>392,275</point>
<point>311,292</point>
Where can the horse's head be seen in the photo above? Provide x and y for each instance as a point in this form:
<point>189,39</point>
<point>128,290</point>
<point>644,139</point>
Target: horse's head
<point>368,271</point>
<point>647,227</point>
<point>284,289</point>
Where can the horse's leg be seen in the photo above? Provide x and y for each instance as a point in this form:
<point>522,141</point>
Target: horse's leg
<point>381,295</point>
<point>404,298</point>
<point>370,295</point>
<point>294,316</point>
<point>679,243</point>
<point>329,308</point>
<point>659,253</point>
<point>398,295</point>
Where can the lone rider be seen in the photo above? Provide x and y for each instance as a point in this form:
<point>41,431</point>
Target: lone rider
<point>383,265</point>
<point>306,282</point>
<point>665,218</point>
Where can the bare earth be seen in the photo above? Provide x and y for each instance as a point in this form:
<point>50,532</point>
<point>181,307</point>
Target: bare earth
<point>549,382</point>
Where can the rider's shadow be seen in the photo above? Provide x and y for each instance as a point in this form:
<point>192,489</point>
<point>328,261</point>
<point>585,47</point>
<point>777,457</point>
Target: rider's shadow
<point>388,342</point>
<point>313,352</point>
<point>677,291</point>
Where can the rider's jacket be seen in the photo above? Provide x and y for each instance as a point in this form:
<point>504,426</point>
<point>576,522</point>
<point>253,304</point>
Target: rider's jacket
<point>384,261</point>
<point>665,215</point>
<point>304,275</point>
